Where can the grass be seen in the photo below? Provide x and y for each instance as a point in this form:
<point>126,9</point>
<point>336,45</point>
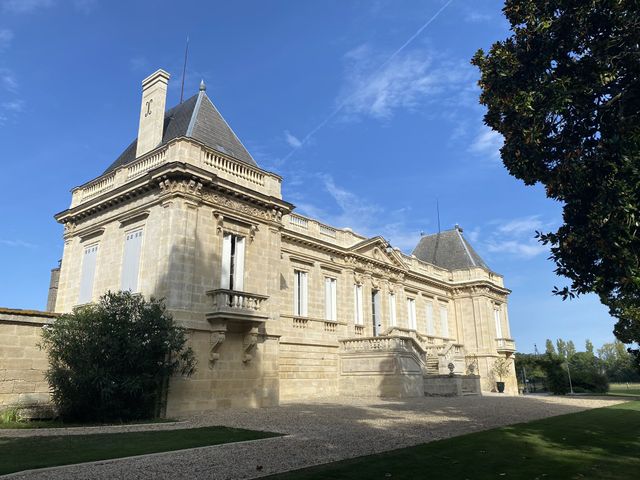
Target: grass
<point>22,453</point>
<point>625,389</point>
<point>603,443</point>
<point>17,423</point>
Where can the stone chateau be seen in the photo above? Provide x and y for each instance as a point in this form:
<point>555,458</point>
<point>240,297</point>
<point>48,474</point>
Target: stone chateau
<point>279,306</point>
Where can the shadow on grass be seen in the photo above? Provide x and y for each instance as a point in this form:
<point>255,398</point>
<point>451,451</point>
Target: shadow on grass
<point>24,453</point>
<point>602,443</point>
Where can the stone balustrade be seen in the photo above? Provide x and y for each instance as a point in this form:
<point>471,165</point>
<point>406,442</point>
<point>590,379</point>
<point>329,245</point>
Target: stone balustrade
<point>386,343</point>
<point>185,151</point>
<point>233,304</point>
<point>504,345</point>
<point>223,299</point>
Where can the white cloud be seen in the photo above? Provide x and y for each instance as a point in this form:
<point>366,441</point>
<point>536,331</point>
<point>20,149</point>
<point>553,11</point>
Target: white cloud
<point>17,243</point>
<point>6,36</point>
<point>410,80</point>
<point>515,237</point>
<point>523,249</point>
<point>292,140</point>
<point>8,80</point>
<point>15,106</point>
<point>361,215</point>
<point>25,6</point>
<point>487,143</point>
<point>477,17</point>
<point>525,225</point>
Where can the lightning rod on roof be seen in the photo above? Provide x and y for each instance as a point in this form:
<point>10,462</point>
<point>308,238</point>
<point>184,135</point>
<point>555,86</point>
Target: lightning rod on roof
<point>438,211</point>
<point>184,69</point>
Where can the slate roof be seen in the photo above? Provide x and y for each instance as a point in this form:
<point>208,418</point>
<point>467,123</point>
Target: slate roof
<point>448,249</point>
<point>197,118</point>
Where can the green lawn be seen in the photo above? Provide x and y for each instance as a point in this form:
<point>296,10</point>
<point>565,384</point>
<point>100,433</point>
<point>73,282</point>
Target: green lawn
<point>28,424</point>
<point>630,389</point>
<point>18,454</point>
<point>599,444</point>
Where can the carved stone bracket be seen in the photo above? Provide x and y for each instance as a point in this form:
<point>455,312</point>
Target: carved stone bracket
<point>219,222</point>
<point>248,344</point>
<point>217,339</point>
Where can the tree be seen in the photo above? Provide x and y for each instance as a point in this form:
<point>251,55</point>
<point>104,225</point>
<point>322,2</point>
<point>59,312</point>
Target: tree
<point>549,348</point>
<point>588,346</point>
<point>112,360</point>
<point>557,379</point>
<point>570,349</point>
<point>564,92</point>
<point>562,348</point>
<point>617,363</point>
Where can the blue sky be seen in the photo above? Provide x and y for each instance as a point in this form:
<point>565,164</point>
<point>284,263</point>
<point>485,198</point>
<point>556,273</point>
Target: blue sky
<point>367,122</point>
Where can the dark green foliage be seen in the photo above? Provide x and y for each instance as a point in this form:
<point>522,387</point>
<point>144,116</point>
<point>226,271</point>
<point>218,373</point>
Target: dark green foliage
<point>564,91</point>
<point>529,367</point>
<point>557,379</point>
<point>587,373</point>
<point>111,360</point>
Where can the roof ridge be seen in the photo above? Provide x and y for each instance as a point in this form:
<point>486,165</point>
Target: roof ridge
<point>194,114</point>
<point>229,127</point>
<point>466,249</point>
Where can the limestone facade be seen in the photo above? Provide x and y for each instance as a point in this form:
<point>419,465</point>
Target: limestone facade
<point>279,306</point>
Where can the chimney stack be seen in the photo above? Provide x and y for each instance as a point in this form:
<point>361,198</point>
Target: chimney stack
<point>154,99</point>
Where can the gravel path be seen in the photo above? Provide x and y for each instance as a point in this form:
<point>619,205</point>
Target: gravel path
<point>318,432</point>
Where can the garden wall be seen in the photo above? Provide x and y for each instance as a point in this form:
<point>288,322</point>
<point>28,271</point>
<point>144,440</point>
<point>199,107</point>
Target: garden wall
<point>22,363</point>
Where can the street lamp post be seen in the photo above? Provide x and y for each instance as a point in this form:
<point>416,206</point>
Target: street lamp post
<point>569,374</point>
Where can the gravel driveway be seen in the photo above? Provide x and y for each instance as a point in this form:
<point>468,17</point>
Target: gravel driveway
<point>318,432</point>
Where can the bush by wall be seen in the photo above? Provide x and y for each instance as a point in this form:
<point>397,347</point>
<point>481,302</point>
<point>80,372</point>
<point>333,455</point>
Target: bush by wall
<point>111,361</point>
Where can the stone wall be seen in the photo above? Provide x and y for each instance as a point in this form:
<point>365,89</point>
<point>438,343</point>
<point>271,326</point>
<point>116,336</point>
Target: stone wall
<point>229,380</point>
<point>22,363</point>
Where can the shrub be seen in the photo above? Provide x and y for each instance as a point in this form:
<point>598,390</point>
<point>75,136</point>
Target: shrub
<point>111,361</point>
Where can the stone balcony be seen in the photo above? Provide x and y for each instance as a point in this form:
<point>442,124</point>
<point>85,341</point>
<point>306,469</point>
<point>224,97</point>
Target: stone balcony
<point>505,345</point>
<point>232,306</point>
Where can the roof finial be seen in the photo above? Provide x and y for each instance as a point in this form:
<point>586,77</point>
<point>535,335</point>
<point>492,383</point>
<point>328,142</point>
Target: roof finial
<point>203,87</point>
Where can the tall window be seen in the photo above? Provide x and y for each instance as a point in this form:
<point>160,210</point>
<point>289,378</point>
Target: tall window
<point>431,327</point>
<point>300,293</point>
<point>330,306</point>
<point>392,310</point>
<point>358,315</point>
<point>376,317</point>
<point>87,274</point>
<point>131,260</point>
<point>496,316</point>
<point>411,312</point>
<point>232,272</point>
<point>444,320</point>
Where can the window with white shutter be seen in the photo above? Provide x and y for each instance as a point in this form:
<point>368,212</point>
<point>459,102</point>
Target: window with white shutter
<point>431,327</point>
<point>330,297</point>
<point>300,293</point>
<point>496,316</point>
<point>131,260</point>
<point>444,320</point>
<point>232,267</point>
<point>358,315</point>
<point>411,312</point>
<point>392,310</point>
<point>87,274</point>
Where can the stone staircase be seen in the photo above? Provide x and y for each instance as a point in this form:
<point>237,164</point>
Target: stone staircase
<point>432,365</point>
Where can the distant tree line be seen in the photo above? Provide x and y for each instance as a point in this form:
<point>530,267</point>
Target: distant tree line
<point>588,370</point>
